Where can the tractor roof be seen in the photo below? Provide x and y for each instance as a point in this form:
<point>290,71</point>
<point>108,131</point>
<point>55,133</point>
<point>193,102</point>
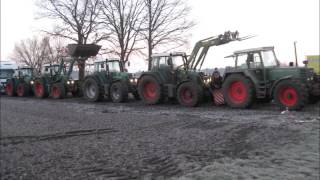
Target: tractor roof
<point>48,65</point>
<point>245,51</point>
<point>169,54</point>
<point>104,60</point>
<point>24,67</point>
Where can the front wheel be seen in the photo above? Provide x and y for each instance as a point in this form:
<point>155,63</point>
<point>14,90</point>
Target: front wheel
<point>189,94</point>
<point>238,91</point>
<point>23,89</point>
<point>291,94</point>
<point>149,90</point>
<point>10,88</point>
<point>58,91</point>
<point>40,90</point>
<point>119,92</point>
<point>92,90</point>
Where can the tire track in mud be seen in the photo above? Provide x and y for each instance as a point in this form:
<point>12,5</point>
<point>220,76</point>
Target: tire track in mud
<point>12,140</point>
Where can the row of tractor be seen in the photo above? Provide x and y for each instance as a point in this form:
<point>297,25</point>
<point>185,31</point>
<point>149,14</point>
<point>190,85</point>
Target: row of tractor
<point>255,77</point>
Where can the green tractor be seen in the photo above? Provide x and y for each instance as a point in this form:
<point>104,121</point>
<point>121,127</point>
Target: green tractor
<point>257,76</point>
<point>21,84</point>
<point>177,76</point>
<point>110,80</point>
<point>56,79</point>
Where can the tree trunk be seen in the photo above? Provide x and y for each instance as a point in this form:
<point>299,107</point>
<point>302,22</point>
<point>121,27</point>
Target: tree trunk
<point>149,55</point>
<point>149,35</point>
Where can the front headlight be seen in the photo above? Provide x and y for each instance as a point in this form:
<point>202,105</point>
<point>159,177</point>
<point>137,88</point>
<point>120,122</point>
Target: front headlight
<point>133,80</point>
<point>31,82</point>
<point>68,82</point>
<point>72,82</point>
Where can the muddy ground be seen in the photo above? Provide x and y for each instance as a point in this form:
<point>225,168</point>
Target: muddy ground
<point>73,139</point>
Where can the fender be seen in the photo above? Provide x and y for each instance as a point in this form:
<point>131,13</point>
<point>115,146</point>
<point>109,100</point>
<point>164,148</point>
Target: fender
<point>155,75</point>
<point>277,82</point>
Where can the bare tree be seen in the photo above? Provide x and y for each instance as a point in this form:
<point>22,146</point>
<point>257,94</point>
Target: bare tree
<point>32,52</point>
<point>122,19</point>
<point>77,21</point>
<point>166,23</point>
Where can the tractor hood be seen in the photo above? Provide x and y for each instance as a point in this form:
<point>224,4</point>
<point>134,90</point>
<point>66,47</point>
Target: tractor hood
<point>298,72</point>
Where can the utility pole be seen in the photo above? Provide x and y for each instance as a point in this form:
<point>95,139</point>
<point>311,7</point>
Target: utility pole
<point>295,52</point>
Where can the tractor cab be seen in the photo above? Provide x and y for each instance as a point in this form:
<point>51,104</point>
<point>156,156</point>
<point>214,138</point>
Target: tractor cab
<point>255,58</point>
<point>110,65</point>
<point>169,61</point>
<point>23,71</point>
<point>51,69</point>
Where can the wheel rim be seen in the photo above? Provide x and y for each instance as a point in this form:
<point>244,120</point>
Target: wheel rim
<point>150,90</point>
<point>115,93</point>
<point>237,92</point>
<point>288,96</point>
<point>20,90</point>
<point>38,89</point>
<point>91,91</point>
<point>186,95</point>
<point>55,92</point>
<point>9,88</point>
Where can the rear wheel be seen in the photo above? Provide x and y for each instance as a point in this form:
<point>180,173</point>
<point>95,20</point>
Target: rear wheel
<point>58,91</point>
<point>39,89</point>
<point>10,88</point>
<point>189,94</point>
<point>23,89</point>
<point>118,92</point>
<point>291,94</point>
<point>92,90</point>
<point>149,90</point>
<point>238,91</point>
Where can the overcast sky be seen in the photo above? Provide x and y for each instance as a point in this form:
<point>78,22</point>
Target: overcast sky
<point>275,22</point>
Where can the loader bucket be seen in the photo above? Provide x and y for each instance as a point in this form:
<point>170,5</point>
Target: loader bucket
<point>83,50</point>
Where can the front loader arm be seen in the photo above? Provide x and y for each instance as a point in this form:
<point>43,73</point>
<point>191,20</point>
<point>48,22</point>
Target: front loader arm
<point>202,46</point>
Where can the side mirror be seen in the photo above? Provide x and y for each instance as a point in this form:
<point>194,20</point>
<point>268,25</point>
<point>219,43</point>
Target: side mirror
<point>128,63</point>
<point>291,64</point>
<point>305,62</point>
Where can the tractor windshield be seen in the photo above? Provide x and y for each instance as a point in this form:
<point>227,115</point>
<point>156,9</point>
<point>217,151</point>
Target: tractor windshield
<point>25,72</point>
<point>177,62</point>
<point>269,58</point>
<point>6,73</point>
<point>114,66</point>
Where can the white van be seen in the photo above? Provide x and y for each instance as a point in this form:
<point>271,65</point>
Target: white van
<point>7,69</point>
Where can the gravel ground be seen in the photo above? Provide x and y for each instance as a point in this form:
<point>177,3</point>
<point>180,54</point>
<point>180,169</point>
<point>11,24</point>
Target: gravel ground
<point>73,139</point>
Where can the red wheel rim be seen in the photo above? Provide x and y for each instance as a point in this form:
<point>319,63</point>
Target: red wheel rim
<point>186,95</point>
<point>288,96</point>
<point>237,92</point>
<point>20,90</point>
<point>9,88</point>
<point>55,92</point>
<point>150,90</point>
<point>38,89</point>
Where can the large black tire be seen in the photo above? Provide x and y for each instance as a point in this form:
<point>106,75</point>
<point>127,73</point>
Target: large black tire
<point>23,89</point>
<point>119,92</point>
<point>58,91</point>
<point>40,90</point>
<point>10,88</point>
<point>92,90</point>
<point>189,94</point>
<point>149,90</point>
<point>291,94</point>
<point>238,91</point>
